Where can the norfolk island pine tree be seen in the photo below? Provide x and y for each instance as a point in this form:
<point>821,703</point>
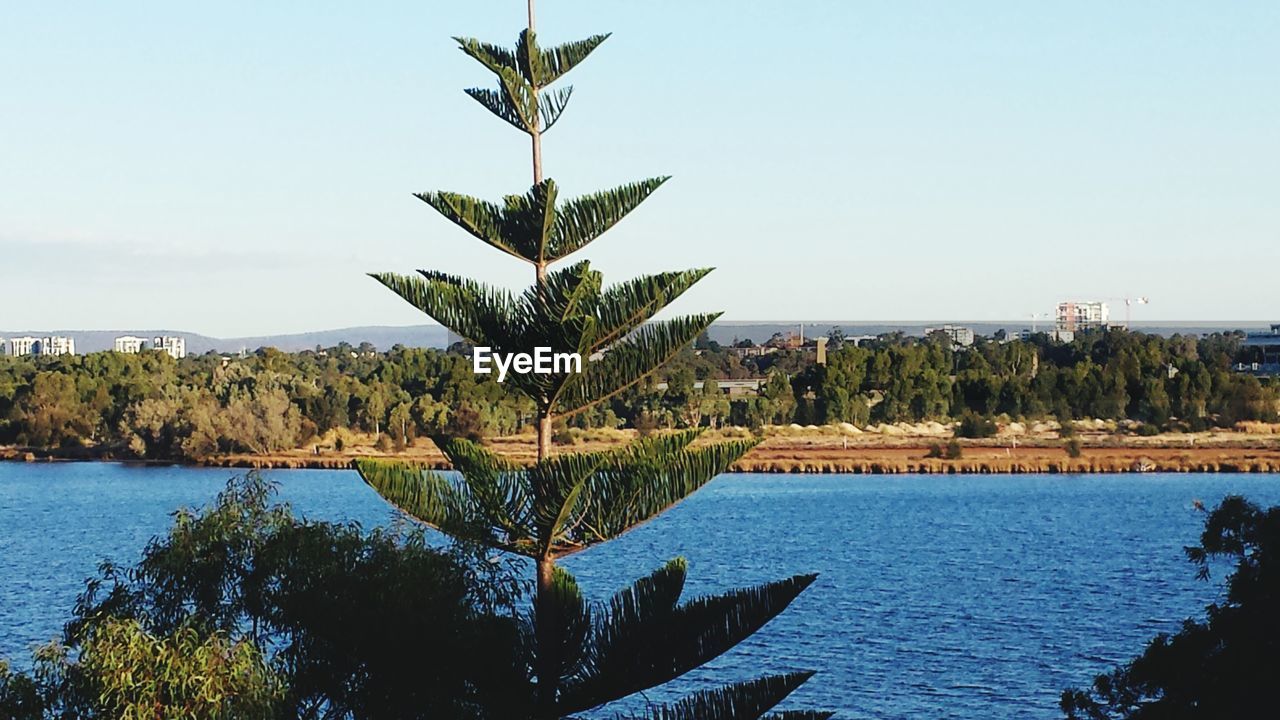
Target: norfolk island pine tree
<point>581,655</point>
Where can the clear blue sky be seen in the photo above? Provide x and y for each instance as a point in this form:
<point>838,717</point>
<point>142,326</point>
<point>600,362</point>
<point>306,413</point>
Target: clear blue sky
<point>232,168</point>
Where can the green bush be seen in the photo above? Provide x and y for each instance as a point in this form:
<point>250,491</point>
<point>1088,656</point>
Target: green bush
<point>352,624</point>
<point>973,425</point>
<point>1222,666</point>
<point>1073,448</point>
<point>645,423</point>
<point>563,436</point>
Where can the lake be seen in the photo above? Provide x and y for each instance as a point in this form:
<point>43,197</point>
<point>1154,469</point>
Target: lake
<point>939,596</point>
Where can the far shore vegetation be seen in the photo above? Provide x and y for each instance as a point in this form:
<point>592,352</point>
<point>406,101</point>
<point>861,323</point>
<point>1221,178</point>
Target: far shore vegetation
<point>149,406</point>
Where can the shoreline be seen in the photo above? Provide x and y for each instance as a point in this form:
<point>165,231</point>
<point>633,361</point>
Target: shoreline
<point>809,456</point>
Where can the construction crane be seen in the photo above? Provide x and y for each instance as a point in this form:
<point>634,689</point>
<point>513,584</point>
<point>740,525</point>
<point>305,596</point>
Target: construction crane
<point>1128,307</point>
<point>1129,302</point>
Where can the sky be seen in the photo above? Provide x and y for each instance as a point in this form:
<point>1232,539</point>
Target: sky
<point>234,168</point>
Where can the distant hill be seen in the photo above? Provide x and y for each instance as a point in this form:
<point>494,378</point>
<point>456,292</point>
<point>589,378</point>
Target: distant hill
<point>436,336</point>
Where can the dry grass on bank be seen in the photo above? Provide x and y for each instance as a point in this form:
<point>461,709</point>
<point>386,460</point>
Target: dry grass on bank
<point>902,448</point>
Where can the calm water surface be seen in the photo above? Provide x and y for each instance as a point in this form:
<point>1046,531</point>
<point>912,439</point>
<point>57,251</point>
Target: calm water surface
<point>939,597</point>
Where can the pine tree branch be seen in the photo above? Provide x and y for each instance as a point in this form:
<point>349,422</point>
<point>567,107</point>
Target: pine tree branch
<point>494,57</point>
<point>486,221</point>
<point>495,101</point>
<point>630,488</point>
<point>741,701</point>
<point>551,106</point>
<point>628,655</point>
<point>435,501</point>
<point>531,226</point>
<point>535,65</point>
<point>623,308</point>
<point>554,63</point>
<point>569,615</point>
<point>482,315</point>
<point>581,220</point>
<point>628,362</point>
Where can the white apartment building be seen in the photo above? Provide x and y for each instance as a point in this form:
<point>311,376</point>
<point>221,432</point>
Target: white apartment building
<point>1075,316</point>
<point>20,346</point>
<point>960,336</point>
<point>57,345</point>
<point>53,345</point>
<point>174,345</point>
<point>130,345</point>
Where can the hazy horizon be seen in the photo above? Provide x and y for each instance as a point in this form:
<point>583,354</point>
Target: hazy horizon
<point>235,169</point>
<point>819,324</point>
<point>433,335</point>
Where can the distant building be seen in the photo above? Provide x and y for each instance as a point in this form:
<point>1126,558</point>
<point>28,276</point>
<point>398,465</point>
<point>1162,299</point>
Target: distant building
<point>57,346</point>
<point>1058,336</point>
<point>1076,316</point>
<point>130,345</point>
<point>20,346</point>
<point>175,346</point>
<point>1268,344</point>
<point>960,336</point>
<point>52,345</point>
<point>752,350</point>
<point>732,388</point>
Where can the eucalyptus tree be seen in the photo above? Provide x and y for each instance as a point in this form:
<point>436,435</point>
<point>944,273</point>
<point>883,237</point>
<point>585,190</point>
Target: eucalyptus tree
<point>580,655</point>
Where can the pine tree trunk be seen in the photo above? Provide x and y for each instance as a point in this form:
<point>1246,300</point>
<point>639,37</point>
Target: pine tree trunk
<point>537,161</point>
<point>544,436</point>
<point>545,638</point>
<point>548,675</point>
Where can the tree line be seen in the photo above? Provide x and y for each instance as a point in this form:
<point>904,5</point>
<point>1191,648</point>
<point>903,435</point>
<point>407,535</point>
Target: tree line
<point>152,406</point>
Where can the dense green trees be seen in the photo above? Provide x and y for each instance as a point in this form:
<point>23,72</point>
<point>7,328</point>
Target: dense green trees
<point>152,406</point>
<point>149,405</point>
<point>1224,666</point>
<point>244,611</point>
<point>1110,375</point>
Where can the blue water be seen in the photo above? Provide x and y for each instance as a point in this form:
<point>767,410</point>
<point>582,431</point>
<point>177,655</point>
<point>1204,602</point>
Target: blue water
<point>939,596</point>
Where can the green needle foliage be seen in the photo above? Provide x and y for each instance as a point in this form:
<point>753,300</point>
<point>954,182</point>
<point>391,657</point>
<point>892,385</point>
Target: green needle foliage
<point>580,655</point>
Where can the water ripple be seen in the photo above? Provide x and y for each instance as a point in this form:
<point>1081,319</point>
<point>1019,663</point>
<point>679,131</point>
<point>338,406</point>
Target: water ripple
<point>973,597</point>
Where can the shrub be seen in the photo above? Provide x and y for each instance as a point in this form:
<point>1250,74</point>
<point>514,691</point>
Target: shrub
<point>973,425</point>
<point>1223,666</point>
<point>1073,448</point>
<point>645,423</point>
<point>935,451</point>
<point>465,422</point>
<point>954,450</point>
<point>352,624</point>
<point>187,674</point>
